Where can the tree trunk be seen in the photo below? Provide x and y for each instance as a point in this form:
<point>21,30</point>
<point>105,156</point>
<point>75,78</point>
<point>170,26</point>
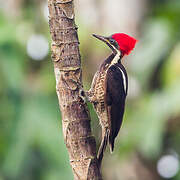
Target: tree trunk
<point>79,141</point>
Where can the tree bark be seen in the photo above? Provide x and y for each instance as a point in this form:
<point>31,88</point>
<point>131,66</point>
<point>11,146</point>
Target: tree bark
<point>79,141</point>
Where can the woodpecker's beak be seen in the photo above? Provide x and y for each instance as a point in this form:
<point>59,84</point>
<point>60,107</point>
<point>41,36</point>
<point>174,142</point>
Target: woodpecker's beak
<point>105,40</point>
<point>102,38</point>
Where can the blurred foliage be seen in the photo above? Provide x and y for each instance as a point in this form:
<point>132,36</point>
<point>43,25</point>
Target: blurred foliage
<point>31,140</point>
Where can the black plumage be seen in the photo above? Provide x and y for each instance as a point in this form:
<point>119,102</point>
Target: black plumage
<point>115,97</point>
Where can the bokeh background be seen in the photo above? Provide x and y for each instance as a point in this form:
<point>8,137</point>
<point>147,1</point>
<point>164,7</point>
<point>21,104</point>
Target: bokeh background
<point>31,140</point>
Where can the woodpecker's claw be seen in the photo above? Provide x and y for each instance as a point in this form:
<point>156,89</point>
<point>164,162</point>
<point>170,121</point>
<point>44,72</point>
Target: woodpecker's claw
<point>86,95</point>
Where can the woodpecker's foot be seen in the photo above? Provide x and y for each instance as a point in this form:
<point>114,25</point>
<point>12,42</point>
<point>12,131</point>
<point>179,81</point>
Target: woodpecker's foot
<point>90,97</point>
<point>87,96</point>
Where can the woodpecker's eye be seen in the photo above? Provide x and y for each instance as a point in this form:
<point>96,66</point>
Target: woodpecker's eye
<point>112,41</point>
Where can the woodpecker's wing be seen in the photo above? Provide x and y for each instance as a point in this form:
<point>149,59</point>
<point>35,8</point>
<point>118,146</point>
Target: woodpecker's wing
<point>116,90</point>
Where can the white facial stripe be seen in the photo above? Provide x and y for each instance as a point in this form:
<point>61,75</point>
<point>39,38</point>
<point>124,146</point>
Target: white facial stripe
<point>116,58</point>
<point>124,79</point>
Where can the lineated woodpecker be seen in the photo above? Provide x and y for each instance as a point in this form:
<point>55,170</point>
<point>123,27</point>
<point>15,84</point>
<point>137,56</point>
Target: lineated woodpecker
<point>109,89</point>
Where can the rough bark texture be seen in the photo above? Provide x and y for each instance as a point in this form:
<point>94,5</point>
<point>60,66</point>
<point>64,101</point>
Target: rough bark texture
<point>79,141</point>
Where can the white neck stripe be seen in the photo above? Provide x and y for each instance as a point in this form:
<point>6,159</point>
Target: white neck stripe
<point>116,58</point>
<point>124,79</point>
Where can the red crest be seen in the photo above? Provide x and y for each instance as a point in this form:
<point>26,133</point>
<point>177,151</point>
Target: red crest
<point>126,42</point>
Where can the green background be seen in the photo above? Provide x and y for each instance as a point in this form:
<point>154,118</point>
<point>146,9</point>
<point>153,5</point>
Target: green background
<point>31,140</point>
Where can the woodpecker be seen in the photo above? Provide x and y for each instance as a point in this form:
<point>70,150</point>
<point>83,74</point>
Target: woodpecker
<point>109,89</point>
